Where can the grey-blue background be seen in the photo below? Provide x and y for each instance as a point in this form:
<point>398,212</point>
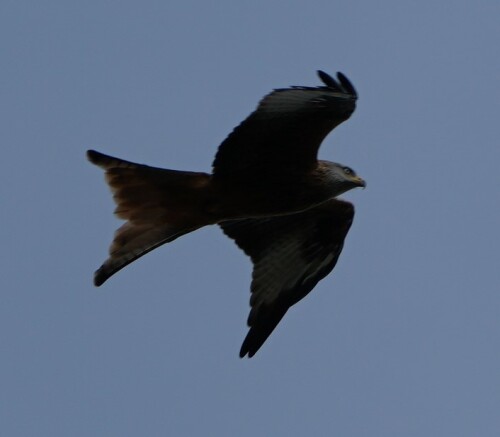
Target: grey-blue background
<point>402,340</point>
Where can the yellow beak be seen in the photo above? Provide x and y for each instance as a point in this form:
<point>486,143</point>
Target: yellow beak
<point>359,181</point>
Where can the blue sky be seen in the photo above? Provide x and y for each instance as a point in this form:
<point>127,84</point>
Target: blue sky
<point>401,340</point>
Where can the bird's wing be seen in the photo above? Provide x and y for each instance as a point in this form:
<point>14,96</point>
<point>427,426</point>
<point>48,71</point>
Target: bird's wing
<point>286,129</point>
<point>291,254</point>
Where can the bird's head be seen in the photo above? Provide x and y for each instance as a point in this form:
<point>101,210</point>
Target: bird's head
<point>341,178</point>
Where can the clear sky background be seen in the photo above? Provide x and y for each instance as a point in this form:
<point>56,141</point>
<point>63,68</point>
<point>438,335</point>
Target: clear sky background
<point>403,339</point>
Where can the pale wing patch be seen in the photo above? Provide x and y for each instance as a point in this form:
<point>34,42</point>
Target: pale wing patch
<point>294,100</point>
<point>283,267</point>
<point>279,268</point>
<point>315,268</point>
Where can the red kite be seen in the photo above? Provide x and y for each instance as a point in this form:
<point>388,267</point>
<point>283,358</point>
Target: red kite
<point>267,191</point>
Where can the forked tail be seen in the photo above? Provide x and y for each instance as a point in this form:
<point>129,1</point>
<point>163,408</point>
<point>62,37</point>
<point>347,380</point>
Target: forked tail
<point>158,205</point>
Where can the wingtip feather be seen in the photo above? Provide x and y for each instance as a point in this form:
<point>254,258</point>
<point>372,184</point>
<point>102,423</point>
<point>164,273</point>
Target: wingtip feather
<point>328,80</point>
<point>343,84</point>
<point>93,156</point>
<point>347,84</point>
<point>246,350</point>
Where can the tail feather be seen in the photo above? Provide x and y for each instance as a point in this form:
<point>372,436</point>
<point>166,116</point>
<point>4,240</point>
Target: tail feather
<point>158,206</point>
<point>130,243</point>
<point>106,161</point>
<point>137,198</point>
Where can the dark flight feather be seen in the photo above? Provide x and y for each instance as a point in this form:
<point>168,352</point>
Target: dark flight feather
<point>291,254</point>
<point>285,130</point>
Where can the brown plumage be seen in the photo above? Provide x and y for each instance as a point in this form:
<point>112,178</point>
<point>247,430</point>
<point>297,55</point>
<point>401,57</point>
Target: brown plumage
<point>268,191</point>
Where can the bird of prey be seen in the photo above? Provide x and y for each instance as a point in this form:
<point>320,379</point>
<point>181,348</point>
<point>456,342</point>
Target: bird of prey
<point>267,191</point>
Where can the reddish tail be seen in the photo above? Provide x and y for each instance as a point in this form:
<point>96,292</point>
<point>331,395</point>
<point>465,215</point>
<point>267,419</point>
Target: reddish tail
<point>158,206</point>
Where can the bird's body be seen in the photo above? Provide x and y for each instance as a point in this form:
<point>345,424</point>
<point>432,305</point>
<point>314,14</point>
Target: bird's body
<point>279,194</point>
<point>266,177</point>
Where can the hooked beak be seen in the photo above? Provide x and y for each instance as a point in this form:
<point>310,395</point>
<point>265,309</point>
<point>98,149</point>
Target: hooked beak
<point>359,182</point>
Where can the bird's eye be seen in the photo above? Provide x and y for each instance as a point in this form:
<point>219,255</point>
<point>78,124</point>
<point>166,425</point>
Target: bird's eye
<point>348,171</point>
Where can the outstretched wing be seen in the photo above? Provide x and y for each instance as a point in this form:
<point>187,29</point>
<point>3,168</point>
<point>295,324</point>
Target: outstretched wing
<point>286,129</point>
<point>291,254</point>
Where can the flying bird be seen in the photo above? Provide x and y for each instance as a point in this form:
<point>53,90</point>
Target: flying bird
<point>267,191</point>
